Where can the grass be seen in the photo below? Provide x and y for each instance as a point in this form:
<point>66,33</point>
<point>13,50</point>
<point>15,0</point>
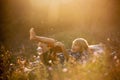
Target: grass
<point>98,68</point>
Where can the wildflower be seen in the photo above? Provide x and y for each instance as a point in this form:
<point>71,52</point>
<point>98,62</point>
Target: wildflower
<point>84,62</point>
<point>50,68</point>
<point>11,64</point>
<point>94,60</point>
<point>108,39</point>
<point>117,61</point>
<point>27,70</point>
<point>115,57</point>
<point>39,50</point>
<point>114,52</point>
<point>34,56</point>
<point>64,69</point>
<point>50,61</point>
<point>38,57</point>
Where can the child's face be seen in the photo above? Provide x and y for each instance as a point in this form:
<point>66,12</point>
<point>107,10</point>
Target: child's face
<point>75,48</point>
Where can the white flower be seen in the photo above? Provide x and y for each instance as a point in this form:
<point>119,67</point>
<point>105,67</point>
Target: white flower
<point>50,61</point>
<point>27,70</point>
<point>115,57</point>
<point>39,50</point>
<point>64,69</point>
<point>50,68</point>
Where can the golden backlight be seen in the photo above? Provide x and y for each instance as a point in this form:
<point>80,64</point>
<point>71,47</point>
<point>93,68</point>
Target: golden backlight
<point>77,12</point>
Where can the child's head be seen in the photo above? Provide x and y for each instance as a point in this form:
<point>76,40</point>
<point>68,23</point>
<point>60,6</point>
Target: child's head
<point>79,45</point>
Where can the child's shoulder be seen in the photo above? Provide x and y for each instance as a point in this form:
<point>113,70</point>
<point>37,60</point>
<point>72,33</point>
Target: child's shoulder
<point>99,48</point>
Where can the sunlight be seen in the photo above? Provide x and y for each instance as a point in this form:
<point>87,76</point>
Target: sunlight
<point>53,11</point>
<point>61,31</point>
<point>82,13</point>
<point>53,7</point>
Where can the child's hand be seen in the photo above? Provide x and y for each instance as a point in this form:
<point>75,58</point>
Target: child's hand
<point>59,44</point>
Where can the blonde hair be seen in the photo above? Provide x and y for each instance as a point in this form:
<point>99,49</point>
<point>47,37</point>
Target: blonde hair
<point>82,43</point>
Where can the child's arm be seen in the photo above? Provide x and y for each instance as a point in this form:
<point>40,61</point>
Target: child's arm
<point>62,46</point>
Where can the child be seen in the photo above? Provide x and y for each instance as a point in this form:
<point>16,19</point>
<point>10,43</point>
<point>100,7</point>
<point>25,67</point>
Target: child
<point>81,51</point>
<point>50,49</point>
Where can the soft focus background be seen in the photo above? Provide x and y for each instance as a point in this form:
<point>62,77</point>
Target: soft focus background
<point>95,20</point>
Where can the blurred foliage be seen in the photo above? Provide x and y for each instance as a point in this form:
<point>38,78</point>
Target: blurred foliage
<point>103,67</point>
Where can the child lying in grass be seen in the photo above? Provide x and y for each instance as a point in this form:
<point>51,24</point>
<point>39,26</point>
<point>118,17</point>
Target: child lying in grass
<point>79,51</point>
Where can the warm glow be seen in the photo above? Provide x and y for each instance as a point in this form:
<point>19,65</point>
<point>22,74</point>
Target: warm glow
<point>76,12</point>
<point>25,24</point>
<point>53,7</point>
